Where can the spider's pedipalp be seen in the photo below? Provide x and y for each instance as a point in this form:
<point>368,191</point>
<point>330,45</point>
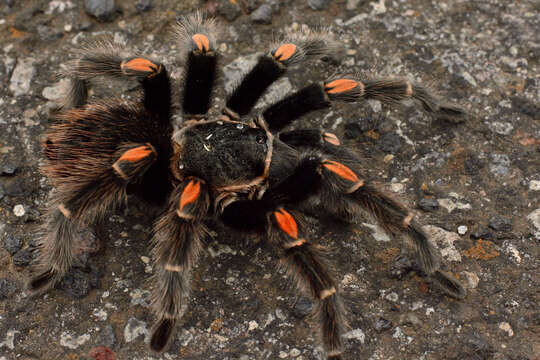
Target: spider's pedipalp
<point>177,244</point>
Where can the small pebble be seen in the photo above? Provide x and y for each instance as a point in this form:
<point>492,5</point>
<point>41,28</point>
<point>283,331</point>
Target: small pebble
<point>499,223</point>
<point>253,325</point>
<point>382,324</point>
<point>23,257</point>
<point>263,15</point>
<point>428,204</point>
<point>507,328</point>
<point>18,210</point>
<point>103,10</point>
<point>302,308</point>
<point>12,244</point>
<point>462,230</point>
<point>143,5</point>
<point>534,185</point>
<point>318,4</point>
<point>482,232</point>
<point>7,288</point>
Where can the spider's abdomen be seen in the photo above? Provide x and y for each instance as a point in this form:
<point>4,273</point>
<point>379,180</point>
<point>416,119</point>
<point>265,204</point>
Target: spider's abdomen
<point>220,152</point>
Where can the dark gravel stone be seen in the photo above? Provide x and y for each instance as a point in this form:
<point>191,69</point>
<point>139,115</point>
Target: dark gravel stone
<point>381,324</point>
<point>103,10</point>
<point>525,106</point>
<point>390,143</point>
<point>302,308</point>
<point>2,192</point>
<point>473,164</point>
<point>143,5</point>
<point>263,15</point>
<point>499,223</point>
<point>7,288</point>
<point>79,282</point>
<point>428,204</point>
<point>482,232</point>
<point>16,186</point>
<point>318,4</point>
<point>229,10</point>
<point>23,257</point>
<point>46,33</point>
<point>106,336</point>
<point>402,266</point>
<point>12,244</point>
<point>9,169</point>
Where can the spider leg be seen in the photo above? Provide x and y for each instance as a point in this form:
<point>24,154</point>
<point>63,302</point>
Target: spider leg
<point>102,59</point>
<point>346,193</point>
<point>304,261</point>
<point>177,243</point>
<point>351,89</point>
<point>294,48</point>
<point>198,39</point>
<point>81,201</point>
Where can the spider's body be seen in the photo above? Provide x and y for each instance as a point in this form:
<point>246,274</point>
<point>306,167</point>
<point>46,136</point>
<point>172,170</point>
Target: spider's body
<point>245,171</point>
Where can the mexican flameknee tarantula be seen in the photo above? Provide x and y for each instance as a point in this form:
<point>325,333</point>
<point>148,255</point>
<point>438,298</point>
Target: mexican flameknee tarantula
<point>245,171</point>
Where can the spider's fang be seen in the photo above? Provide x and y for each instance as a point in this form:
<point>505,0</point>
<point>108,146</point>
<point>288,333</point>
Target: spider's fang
<point>340,86</point>
<point>139,64</point>
<point>190,194</point>
<point>284,52</point>
<point>202,42</point>
<point>286,223</point>
<point>341,170</point>
<point>331,138</point>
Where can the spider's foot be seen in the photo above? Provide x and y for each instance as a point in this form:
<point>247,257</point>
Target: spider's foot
<point>448,284</point>
<point>43,282</point>
<point>161,334</point>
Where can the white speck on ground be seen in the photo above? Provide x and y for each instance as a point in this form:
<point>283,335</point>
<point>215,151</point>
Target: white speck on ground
<point>18,210</point>
<point>69,341</point>
<point>134,328</point>
<point>357,334</point>
<point>9,342</point>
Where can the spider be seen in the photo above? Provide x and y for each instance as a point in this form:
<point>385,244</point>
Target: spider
<point>243,170</point>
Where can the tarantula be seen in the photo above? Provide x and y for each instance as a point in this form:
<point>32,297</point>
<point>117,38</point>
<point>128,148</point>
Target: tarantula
<point>245,171</point>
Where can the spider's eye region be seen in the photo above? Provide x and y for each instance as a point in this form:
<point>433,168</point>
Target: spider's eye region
<point>260,139</point>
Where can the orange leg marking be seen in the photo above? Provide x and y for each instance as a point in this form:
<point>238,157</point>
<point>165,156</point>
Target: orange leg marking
<point>202,42</point>
<point>139,64</point>
<point>190,194</point>
<point>340,85</point>
<point>136,154</point>
<point>331,138</point>
<point>284,52</point>
<point>287,223</point>
<point>341,170</point>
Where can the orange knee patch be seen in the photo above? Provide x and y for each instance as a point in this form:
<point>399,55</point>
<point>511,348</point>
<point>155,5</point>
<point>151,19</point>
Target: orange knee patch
<point>341,170</point>
<point>202,42</point>
<point>286,223</point>
<point>284,52</point>
<point>331,138</point>
<point>139,64</point>
<point>340,85</point>
<point>190,194</point>
<point>136,154</point>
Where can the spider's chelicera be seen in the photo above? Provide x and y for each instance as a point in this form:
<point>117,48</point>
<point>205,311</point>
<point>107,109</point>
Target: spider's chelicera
<point>245,171</point>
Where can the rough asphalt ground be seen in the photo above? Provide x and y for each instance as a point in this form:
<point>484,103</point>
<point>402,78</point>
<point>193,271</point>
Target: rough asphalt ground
<point>475,184</point>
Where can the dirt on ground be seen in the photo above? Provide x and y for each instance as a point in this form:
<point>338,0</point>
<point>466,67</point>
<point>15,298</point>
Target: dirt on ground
<point>474,184</point>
